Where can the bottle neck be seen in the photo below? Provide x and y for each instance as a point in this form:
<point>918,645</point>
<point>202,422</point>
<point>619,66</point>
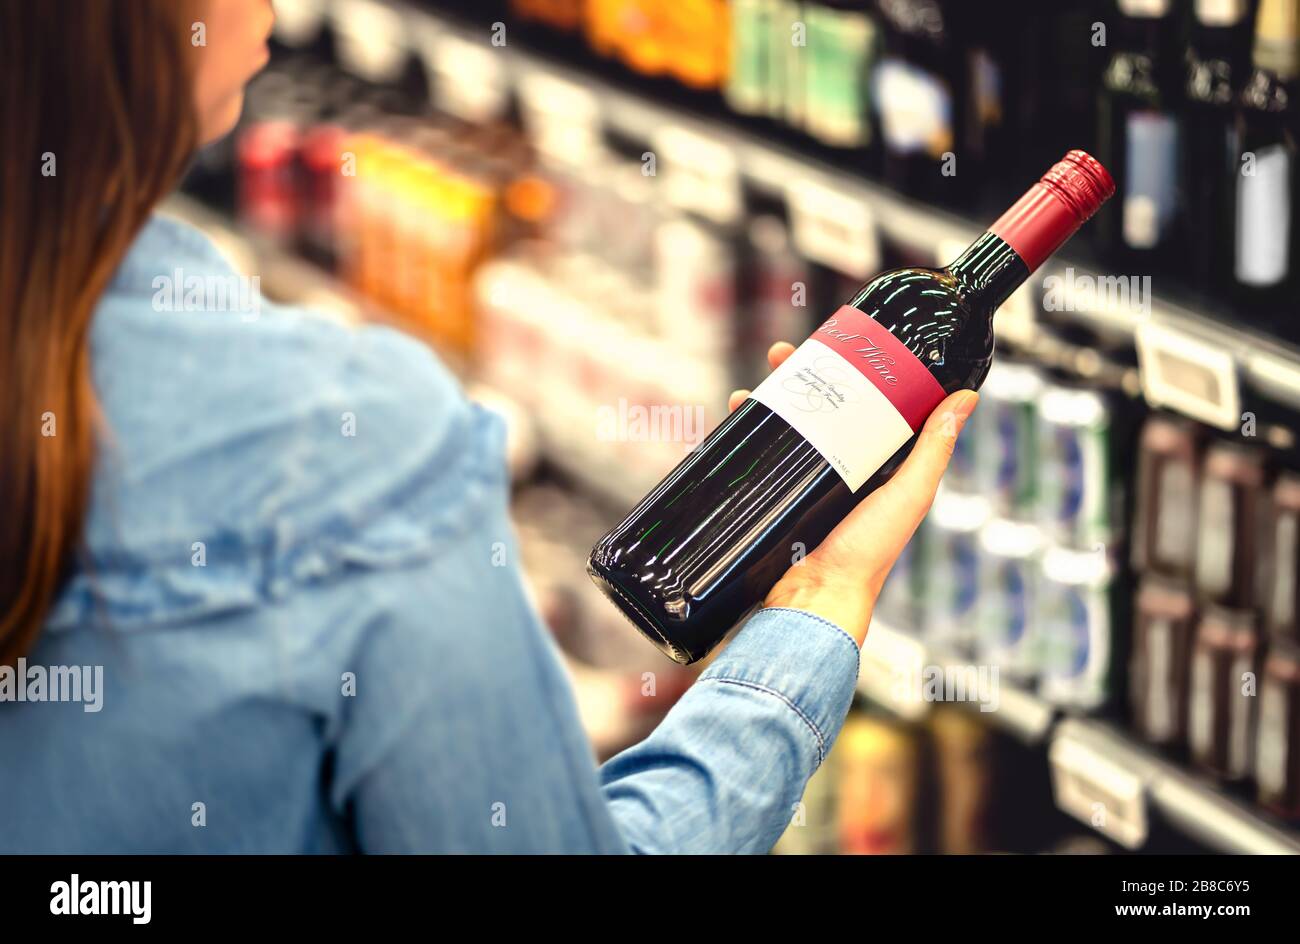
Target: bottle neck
<point>1034,227</point>
<point>989,270</point>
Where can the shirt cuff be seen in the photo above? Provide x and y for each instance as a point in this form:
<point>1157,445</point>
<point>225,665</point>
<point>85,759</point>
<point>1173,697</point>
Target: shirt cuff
<point>805,661</point>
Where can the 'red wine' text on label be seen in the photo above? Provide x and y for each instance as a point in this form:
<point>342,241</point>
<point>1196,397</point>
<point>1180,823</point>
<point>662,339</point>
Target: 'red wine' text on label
<point>854,391</point>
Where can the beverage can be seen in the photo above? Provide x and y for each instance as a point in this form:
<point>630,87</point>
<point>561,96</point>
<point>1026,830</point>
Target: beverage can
<point>1076,622</point>
<point>1075,481</point>
<point>1006,458</point>
<point>1008,578</point>
<point>948,571</point>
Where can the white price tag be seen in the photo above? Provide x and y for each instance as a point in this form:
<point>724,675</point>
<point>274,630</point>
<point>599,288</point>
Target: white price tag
<point>698,174</point>
<point>1188,375</point>
<point>467,76</point>
<point>892,667</point>
<point>372,39</point>
<point>299,22</point>
<point>563,118</point>
<point>1092,787</point>
<point>834,228</point>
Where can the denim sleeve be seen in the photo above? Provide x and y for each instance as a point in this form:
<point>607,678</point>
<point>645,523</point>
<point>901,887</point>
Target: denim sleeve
<point>473,742</point>
<point>727,766</point>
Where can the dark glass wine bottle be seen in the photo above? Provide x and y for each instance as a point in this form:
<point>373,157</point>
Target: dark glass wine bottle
<point>1265,253</point>
<point>827,427</point>
<point>1218,59</point>
<point>1139,138</point>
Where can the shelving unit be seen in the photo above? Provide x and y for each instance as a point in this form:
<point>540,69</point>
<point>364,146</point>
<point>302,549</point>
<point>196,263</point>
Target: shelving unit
<point>1220,357</point>
<point>1101,775</point>
<point>1191,361</point>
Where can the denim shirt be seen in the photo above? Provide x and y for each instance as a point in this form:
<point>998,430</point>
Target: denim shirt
<point>292,581</point>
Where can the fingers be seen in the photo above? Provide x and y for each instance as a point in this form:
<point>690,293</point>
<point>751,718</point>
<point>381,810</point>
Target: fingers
<point>778,352</point>
<point>913,487</point>
<point>776,356</point>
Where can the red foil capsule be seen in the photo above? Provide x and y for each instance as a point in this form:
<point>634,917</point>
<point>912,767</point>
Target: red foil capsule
<point>1054,208</point>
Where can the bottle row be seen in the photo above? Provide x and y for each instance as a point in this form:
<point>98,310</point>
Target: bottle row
<point>1173,602</point>
<point>1191,105</point>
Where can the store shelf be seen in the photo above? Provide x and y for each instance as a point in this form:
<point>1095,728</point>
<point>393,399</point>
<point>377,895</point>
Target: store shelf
<point>1191,803</point>
<point>1133,780</point>
<point>1193,361</point>
<point>1102,776</point>
<point>897,668</point>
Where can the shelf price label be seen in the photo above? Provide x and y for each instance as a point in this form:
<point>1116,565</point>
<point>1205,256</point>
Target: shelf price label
<point>698,174</point>
<point>1186,374</point>
<point>1092,787</point>
<point>834,228</point>
<point>891,670</point>
<point>563,117</point>
<point>372,38</point>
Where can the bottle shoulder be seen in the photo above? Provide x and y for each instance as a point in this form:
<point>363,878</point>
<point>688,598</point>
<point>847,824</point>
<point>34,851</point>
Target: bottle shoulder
<point>930,311</point>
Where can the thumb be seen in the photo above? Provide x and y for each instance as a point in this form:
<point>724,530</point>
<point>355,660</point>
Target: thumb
<point>914,485</point>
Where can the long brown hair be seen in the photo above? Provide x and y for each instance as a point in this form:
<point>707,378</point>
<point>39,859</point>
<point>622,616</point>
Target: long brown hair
<point>97,120</point>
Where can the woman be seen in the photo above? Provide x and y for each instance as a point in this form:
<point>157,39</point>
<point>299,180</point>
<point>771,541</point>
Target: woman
<point>271,544</point>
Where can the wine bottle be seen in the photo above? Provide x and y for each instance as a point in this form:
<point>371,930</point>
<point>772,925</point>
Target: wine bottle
<point>1217,62</point>
<point>1266,179</point>
<point>1139,138</point>
<point>827,427</point>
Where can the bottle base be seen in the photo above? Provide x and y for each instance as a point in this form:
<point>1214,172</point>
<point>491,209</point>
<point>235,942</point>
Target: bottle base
<point>639,617</point>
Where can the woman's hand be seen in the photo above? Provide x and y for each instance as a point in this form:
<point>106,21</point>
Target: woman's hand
<point>841,579</point>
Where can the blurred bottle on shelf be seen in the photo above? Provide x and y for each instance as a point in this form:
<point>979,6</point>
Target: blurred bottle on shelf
<point>268,183</point>
<point>1164,516</point>
<point>1139,138</point>
<point>879,766</point>
<point>915,89</point>
<point>1279,573</point>
<point>1164,625</point>
<point>1220,714</point>
<point>687,40</point>
<point>1277,745</point>
<point>1266,191</point>
<point>942,91</point>
<point>1218,58</point>
<point>964,771</point>
<point>1232,485</point>
<point>841,52</point>
<point>750,87</point>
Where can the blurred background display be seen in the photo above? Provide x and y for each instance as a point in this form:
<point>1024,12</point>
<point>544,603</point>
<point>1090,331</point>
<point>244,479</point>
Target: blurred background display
<point>602,212</point>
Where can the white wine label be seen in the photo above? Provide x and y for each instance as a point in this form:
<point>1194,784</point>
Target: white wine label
<point>1150,197</point>
<point>1271,744</point>
<point>1264,219</point>
<point>854,391</point>
<point>915,109</point>
<point>1214,550</point>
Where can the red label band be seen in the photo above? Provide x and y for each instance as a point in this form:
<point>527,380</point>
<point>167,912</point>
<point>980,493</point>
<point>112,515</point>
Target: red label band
<point>885,361</point>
